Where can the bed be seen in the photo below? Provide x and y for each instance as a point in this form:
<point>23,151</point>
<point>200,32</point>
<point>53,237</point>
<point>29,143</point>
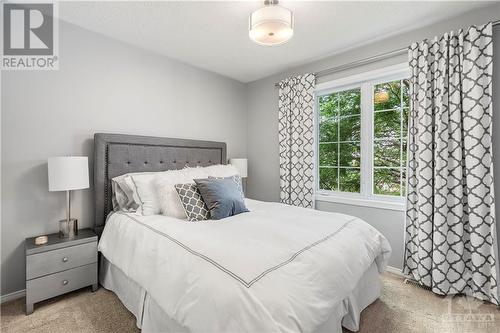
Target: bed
<point>275,269</point>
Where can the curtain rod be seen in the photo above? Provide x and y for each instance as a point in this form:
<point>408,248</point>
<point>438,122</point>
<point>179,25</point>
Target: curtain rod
<point>368,60</point>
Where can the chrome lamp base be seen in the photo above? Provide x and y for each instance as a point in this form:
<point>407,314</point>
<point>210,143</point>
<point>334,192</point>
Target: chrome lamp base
<point>68,228</point>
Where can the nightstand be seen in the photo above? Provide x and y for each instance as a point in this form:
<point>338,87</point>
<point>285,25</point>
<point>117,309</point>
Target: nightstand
<point>59,266</point>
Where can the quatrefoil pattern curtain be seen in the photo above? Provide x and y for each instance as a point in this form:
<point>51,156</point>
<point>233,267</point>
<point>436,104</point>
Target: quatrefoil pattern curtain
<point>296,140</point>
<point>450,226</point>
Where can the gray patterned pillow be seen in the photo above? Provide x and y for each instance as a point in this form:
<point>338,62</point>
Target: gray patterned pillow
<point>192,202</point>
<point>236,179</point>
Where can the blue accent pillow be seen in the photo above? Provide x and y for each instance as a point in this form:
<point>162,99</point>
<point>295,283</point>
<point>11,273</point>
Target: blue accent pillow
<point>222,197</point>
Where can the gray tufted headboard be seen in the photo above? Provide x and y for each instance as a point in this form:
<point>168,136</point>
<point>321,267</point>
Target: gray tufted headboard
<point>118,154</point>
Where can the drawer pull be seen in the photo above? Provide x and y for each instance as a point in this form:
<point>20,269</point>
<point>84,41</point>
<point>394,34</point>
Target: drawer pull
<point>65,259</point>
<point>65,282</point>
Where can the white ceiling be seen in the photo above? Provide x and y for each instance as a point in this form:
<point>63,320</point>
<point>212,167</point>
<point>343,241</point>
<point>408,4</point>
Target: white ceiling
<point>214,35</point>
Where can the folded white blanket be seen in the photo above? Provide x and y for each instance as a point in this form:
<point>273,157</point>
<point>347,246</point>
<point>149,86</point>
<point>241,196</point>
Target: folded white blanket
<point>275,269</point>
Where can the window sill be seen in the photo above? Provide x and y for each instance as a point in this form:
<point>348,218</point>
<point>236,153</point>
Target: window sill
<point>396,205</point>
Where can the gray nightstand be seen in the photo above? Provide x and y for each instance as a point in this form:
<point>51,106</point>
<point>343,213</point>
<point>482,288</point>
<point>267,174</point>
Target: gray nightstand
<point>59,266</point>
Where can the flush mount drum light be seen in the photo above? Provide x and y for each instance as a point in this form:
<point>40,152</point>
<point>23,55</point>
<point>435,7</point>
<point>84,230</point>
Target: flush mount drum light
<point>271,24</point>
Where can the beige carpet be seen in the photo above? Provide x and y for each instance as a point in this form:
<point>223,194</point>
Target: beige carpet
<point>402,308</point>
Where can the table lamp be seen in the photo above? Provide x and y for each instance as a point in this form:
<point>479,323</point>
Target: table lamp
<point>66,174</point>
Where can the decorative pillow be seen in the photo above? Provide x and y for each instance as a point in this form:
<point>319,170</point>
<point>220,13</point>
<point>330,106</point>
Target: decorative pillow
<point>221,170</point>
<point>170,203</point>
<point>236,179</point>
<point>192,202</point>
<point>222,197</point>
<point>122,190</point>
<point>121,199</point>
<point>145,193</point>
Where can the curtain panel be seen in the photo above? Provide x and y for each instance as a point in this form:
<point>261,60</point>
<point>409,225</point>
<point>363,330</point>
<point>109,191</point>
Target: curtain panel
<point>450,241</point>
<point>296,140</point>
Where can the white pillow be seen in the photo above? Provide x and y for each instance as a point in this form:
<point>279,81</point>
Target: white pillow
<point>145,193</point>
<point>220,170</point>
<point>170,203</point>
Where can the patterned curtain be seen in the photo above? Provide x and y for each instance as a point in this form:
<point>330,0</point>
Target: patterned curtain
<point>450,227</point>
<point>296,140</point>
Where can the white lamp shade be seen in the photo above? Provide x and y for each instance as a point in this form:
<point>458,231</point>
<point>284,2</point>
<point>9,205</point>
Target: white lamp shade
<point>241,165</point>
<point>68,173</point>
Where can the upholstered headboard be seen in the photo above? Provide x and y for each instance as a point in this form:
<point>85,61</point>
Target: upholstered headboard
<point>118,154</point>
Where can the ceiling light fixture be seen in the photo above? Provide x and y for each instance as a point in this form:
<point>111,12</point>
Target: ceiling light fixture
<point>271,24</point>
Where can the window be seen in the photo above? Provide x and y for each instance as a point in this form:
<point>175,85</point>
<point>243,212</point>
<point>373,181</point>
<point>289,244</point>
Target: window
<point>340,141</point>
<point>361,130</point>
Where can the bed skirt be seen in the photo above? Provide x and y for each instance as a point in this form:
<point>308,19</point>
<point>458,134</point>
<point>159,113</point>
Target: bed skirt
<point>150,317</point>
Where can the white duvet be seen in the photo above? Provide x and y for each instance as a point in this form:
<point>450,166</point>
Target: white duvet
<point>275,269</point>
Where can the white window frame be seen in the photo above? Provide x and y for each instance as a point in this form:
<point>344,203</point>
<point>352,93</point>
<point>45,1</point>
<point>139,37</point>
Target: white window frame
<point>365,81</point>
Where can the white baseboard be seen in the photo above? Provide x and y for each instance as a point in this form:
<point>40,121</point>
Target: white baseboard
<point>395,271</point>
<point>13,296</point>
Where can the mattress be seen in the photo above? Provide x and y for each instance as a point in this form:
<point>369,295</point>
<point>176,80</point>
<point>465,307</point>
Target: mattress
<point>275,269</point>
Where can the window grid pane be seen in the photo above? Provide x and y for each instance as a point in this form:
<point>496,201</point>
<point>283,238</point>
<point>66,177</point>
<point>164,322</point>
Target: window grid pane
<point>340,135</point>
<point>349,180</point>
<point>328,154</point>
<point>328,178</point>
<point>387,181</point>
<point>387,153</point>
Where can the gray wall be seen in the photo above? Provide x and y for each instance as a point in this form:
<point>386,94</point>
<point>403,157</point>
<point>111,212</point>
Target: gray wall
<point>263,179</point>
<point>102,86</point>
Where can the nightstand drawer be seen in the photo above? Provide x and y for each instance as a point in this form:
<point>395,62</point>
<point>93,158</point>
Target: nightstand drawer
<point>60,283</point>
<point>41,264</point>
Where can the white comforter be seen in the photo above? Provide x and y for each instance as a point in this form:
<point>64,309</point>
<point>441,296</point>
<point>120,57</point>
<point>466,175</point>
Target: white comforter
<point>275,269</point>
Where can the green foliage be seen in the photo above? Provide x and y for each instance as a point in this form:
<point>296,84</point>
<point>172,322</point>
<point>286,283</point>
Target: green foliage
<point>328,130</point>
<point>328,154</point>
<point>387,124</point>
<point>350,180</point>
<point>350,154</point>
<point>349,102</point>
<point>350,128</point>
<point>328,179</point>
<point>387,153</point>
<point>386,181</point>
<point>345,128</point>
